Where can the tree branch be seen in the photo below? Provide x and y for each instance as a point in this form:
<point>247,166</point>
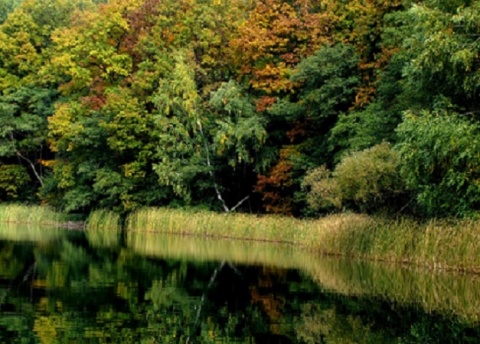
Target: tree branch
<point>207,156</point>
<point>240,203</point>
<point>19,155</point>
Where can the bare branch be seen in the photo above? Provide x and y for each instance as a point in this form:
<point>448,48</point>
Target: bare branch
<point>240,203</point>
<point>210,171</point>
<point>19,155</point>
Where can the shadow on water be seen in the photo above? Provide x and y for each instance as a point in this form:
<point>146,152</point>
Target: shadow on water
<point>59,286</point>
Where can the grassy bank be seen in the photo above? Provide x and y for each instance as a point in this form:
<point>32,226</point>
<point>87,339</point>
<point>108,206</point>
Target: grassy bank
<point>32,215</point>
<point>45,216</point>
<point>440,245</point>
<point>449,245</point>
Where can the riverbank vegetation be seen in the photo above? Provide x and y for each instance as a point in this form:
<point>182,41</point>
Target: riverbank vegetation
<point>299,108</point>
<point>436,244</point>
<point>31,215</point>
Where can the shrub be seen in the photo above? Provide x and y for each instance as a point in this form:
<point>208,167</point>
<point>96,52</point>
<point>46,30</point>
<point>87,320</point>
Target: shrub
<point>13,179</point>
<point>366,180</point>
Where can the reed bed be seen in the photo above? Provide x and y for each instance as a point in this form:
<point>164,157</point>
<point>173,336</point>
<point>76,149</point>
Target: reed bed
<point>34,215</point>
<point>439,245</point>
<point>104,228</point>
<point>103,220</point>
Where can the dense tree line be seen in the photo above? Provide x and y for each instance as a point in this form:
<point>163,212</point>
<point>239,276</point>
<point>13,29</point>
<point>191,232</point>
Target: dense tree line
<point>297,107</point>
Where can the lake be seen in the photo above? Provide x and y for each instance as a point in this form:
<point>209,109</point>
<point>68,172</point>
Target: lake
<point>63,286</point>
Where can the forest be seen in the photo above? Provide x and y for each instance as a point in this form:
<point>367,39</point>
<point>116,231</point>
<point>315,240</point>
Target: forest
<point>298,107</point>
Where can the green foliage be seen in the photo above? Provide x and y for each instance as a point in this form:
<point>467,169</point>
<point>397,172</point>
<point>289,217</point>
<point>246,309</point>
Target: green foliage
<point>6,7</point>
<point>440,162</point>
<point>361,128</point>
<point>13,180</point>
<point>127,103</point>
<point>239,130</point>
<point>442,48</point>
<point>368,179</point>
<point>328,80</point>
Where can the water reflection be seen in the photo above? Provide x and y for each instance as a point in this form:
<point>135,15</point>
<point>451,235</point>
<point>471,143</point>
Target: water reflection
<point>69,286</point>
<point>452,294</point>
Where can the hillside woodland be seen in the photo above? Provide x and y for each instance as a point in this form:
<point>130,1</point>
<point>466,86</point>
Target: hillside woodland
<point>300,107</point>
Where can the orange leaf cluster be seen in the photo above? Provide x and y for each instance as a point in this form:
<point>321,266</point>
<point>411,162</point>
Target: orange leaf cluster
<point>276,186</point>
<point>273,39</point>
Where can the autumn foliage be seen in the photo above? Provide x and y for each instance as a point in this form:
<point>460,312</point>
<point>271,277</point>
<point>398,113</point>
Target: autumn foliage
<point>121,104</point>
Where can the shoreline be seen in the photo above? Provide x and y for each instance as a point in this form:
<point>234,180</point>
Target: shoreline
<point>436,245</point>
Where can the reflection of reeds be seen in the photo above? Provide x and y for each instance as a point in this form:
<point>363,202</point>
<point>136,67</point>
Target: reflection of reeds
<point>447,293</point>
<point>209,249</point>
<point>28,232</point>
<point>437,244</point>
<point>39,215</point>
<point>103,228</point>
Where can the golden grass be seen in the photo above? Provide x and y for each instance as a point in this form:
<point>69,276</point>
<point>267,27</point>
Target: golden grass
<point>439,245</point>
<point>103,220</point>
<point>35,215</point>
<point>103,228</point>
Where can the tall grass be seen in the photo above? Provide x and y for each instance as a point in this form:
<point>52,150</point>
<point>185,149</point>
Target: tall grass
<point>103,228</point>
<point>103,220</point>
<point>36,215</point>
<point>438,245</point>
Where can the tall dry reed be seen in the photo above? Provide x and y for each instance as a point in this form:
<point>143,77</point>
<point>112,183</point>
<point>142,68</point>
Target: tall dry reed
<point>438,245</point>
<point>38,215</point>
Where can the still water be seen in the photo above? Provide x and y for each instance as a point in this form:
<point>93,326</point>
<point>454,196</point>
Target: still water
<point>60,286</point>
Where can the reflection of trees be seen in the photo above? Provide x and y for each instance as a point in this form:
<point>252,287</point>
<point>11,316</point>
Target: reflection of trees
<point>105,293</point>
<point>118,296</point>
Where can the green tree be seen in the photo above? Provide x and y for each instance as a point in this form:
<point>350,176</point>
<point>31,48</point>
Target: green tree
<point>27,93</point>
<point>327,84</point>
<point>6,7</point>
<point>442,50</point>
<point>440,162</point>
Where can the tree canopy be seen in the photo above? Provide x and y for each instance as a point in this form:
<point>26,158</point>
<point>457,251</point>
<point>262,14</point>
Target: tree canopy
<point>231,105</point>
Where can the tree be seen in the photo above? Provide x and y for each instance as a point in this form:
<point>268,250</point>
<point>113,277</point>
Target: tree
<point>440,162</point>
<point>275,36</point>
<point>27,93</point>
<point>6,7</point>
<point>327,84</point>
<point>442,68</point>
<point>136,83</point>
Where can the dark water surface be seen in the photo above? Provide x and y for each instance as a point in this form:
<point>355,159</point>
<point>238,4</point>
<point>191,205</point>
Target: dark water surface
<point>59,286</point>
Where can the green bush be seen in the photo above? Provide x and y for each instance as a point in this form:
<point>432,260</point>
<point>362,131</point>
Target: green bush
<point>13,179</point>
<point>366,180</point>
<point>440,154</point>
